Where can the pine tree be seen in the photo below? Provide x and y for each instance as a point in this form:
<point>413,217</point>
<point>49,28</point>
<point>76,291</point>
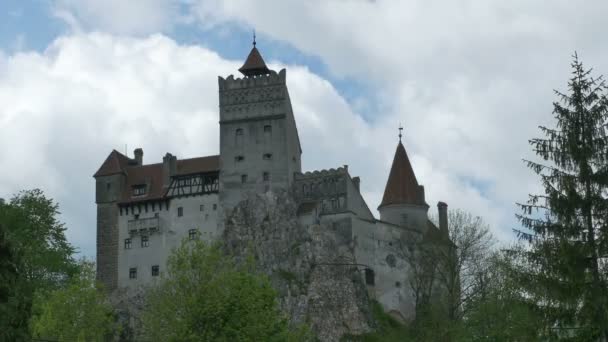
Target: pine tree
<point>567,226</point>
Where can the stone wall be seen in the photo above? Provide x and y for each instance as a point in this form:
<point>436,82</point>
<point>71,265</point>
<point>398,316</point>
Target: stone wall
<point>107,244</point>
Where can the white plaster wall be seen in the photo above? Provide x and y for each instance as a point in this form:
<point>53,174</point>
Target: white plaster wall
<point>416,215</point>
<point>172,230</point>
<point>374,242</point>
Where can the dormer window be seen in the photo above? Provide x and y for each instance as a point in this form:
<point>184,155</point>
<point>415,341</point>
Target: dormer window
<point>139,190</point>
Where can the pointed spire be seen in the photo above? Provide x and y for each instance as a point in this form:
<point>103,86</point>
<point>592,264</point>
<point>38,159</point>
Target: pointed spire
<point>402,186</point>
<point>254,64</point>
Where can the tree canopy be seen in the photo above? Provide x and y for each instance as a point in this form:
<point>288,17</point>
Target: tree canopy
<point>205,296</point>
<point>76,312</point>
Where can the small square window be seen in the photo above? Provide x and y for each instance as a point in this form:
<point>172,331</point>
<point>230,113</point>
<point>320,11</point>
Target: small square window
<point>180,211</point>
<point>133,273</point>
<point>267,129</point>
<point>214,206</point>
<point>145,242</point>
<point>155,271</point>
<point>202,207</point>
<point>127,243</point>
<point>156,214</point>
<point>243,178</point>
<point>192,234</point>
<point>266,176</point>
<point>267,156</point>
<point>239,131</point>
<point>239,159</point>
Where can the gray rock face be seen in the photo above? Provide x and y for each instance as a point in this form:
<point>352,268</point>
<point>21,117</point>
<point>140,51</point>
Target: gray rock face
<point>312,268</point>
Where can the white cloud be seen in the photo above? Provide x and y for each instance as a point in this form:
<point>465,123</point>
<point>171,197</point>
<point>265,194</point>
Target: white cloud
<point>133,17</point>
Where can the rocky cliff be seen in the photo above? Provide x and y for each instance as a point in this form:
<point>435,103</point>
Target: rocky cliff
<point>312,267</point>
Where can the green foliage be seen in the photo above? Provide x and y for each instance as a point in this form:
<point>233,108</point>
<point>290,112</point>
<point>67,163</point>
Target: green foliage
<point>15,304</point>
<point>36,257</point>
<point>567,226</point>
<point>500,312</point>
<point>387,328</point>
<point>206,296</point>
<point>77,312</point>
<point>34,230</point>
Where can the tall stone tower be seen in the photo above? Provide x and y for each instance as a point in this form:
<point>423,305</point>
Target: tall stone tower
<point>259,143</point>
<point>403,202</point>
<point>109,186</point>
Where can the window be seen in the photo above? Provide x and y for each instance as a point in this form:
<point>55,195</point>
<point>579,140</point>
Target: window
<point>156,214</point>
<point>239,131</point>
<point>136,216</point>
<point>139,190</point>
<point>214,206</point>
<point>133,273</point>
<point>127,243</point>
<point>369,276</point>
<point>266,176</point>
<point>180,211</point>
<point>243,178</point>
<point>108,186</point>
<point>202,207</point>
<point>145,242</point>
<point>155,270</point>
<point>267,156</point>
<point>192,233</point>
<point>267,129</point>
<point>239,159</point>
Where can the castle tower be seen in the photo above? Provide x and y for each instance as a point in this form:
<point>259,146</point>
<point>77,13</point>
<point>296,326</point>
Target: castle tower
<point>403,202</point>
<point>259,143</point>
<point>109,186</point>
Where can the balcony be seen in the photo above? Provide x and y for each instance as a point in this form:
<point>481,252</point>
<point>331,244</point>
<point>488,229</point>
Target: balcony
<point>143,226</point>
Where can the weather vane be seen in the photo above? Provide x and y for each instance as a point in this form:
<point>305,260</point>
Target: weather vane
<point>400,129</point>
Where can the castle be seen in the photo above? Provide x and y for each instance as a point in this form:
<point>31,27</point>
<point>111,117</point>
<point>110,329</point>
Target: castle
<point>144,210</point>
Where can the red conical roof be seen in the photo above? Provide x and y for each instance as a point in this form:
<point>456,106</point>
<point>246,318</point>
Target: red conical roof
<point>254,65</point>
<point>402,186</point>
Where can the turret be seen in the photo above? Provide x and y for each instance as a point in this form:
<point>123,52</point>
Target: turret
<point>403,202</point>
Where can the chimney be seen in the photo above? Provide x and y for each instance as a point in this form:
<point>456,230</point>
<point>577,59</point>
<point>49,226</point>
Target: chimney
<point>443,217</point>
<point>357,183</point>
<point>139,156</point>
<point>169,168</point>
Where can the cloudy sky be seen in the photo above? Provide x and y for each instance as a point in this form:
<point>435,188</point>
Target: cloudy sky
<point>469,81</point>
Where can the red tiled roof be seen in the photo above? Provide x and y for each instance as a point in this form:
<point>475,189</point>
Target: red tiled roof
<point>402,186</point>
<point>115,163</point>
<point>152,174</point>
<point>254,64</point>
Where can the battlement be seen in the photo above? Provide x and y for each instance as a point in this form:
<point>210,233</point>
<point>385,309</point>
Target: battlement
<point>322,173</point>
<point>231,83</point>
